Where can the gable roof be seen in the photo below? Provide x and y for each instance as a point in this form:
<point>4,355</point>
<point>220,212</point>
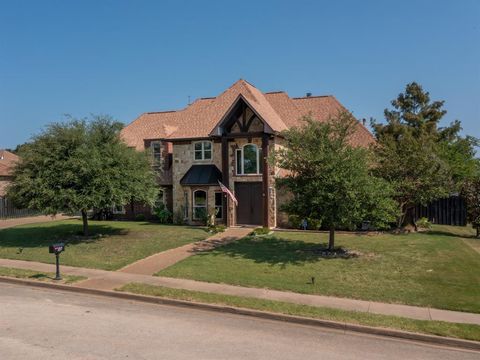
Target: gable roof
<point>200,119</point>
<point>7,162</point>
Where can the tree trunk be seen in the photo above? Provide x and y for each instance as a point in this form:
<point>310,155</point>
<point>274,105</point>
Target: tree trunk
<point>331,239</point>
<point>85,222</point>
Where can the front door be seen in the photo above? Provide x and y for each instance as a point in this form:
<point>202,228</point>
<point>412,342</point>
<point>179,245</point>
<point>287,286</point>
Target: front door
<point>250,203</point>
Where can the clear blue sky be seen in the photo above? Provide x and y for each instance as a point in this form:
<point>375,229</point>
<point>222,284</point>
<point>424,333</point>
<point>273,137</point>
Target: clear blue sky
<point>127,57</point>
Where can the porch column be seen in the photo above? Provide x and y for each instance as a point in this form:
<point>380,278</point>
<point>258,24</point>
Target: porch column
<point>266,193</point>
<point>226,179</point>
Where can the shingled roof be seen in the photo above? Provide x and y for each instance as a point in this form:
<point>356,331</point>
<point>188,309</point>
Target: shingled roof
<point>7,162</point>
<point>199,119</point>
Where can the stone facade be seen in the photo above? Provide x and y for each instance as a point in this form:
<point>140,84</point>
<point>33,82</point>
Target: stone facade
<point>183,159</point>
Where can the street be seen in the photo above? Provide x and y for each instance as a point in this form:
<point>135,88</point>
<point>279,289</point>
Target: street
<point>42,323</point>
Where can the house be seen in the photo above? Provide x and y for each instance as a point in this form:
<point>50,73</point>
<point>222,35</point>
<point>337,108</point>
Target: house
<point>7,162</point>
<point>226,138</point>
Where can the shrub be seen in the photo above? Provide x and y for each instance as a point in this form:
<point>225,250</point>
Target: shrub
<point>214,229</point>
<point>295,221</point>
<point>423,223</point>
<point>140,217</point>
<point>179,216</point>
<point>313,224</point>
<point>261,231</point>
<point>163,214</point>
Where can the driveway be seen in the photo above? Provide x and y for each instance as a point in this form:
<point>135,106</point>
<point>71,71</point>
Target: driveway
<point>78,326</point>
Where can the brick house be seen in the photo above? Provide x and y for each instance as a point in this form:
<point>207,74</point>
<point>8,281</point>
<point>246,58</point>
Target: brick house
<point>225,138</point>
<point>7,162</point>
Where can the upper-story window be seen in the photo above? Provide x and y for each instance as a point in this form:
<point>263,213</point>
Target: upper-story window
<point>156,148</point>
<point>203,150</point>
<point>249,160</point>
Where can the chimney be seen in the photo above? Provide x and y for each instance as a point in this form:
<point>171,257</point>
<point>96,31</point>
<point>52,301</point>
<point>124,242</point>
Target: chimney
<point>309,94</point>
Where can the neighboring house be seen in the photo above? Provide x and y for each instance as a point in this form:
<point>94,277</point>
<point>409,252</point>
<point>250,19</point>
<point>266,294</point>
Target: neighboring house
<point>7,162</point>
<point>226,138</point>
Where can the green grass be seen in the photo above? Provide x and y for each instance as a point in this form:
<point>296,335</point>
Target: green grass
<point>441,328</point>
<point>112,244</point>
<point>35,275</point>
<point>436,269</point>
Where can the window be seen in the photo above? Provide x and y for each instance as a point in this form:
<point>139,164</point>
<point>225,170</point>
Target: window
<point>156,148</point>
<point>199,204</point>
<point>159,202</point>
<point>249,160</point>
<point>185,210</point>
<point>118,209</point>
<point>218,205</point>
<point>203,150</point>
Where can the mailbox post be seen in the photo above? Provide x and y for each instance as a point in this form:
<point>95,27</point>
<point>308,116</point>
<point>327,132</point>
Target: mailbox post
<point>57,249</point>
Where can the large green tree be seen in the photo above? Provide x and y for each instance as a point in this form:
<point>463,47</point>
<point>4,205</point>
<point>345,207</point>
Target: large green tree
<point>80,165</point>
<point>421,160</point>
<point>471,194</point>
<point>330,179</point>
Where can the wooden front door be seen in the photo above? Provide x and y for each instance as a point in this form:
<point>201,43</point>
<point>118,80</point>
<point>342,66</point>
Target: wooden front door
<point>250,203</point>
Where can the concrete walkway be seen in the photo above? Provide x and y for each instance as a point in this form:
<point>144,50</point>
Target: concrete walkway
<point>160,261</point>
<point>109,280</point>
<point>30,220</point>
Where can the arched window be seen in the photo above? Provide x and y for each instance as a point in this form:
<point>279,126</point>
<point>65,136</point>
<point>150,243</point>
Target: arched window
<point>249,160</point>
<point>199,204</point>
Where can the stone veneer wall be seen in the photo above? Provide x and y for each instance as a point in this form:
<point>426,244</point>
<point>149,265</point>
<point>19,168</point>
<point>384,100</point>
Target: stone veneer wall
<point>182,161</point>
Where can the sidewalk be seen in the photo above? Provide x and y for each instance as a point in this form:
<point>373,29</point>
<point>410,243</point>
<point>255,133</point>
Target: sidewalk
<point>30,220</point>
<point>153,264</point>
<point>109,280</point>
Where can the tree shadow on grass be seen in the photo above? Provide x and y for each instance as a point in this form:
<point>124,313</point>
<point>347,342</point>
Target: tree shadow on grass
<point>277,251</point>
<point>43,236</point>
<point>449,234</point>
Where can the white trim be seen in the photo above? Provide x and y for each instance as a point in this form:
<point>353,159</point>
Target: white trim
<point>159,160</point>
<point>194,206</point>
<point>242,160</point>
<point>152,210</point>
<point>218,206</point>
<point>202,150</point>
<point>115,210</point>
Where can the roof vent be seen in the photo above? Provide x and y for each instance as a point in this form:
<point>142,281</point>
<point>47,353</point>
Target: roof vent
<point>309,94</point>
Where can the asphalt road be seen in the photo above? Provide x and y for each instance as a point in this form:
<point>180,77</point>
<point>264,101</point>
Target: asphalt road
<point>48,324</point>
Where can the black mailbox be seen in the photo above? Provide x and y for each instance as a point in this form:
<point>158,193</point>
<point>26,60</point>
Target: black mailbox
<point>56,248</point>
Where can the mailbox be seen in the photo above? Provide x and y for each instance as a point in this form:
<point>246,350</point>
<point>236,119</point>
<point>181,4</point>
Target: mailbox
<point>56,248</point>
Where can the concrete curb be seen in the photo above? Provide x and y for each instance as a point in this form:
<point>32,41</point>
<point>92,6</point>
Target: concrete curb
<point>430,339</point>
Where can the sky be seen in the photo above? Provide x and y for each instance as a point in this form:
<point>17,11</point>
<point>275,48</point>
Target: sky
<point>124,58</point>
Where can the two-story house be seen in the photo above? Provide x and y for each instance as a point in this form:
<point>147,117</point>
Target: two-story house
<point>228,139</point>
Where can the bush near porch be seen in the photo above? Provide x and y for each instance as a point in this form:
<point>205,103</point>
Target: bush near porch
<point>111,246</point>
<point>436,268</point>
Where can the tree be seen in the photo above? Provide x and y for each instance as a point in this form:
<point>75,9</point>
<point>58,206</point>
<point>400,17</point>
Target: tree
<point>421,160</point>
<point>79,165</point>
<point>471,195</point>
<point>331,180</point>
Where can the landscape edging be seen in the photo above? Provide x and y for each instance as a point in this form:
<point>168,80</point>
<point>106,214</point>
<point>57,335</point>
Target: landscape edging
<point>431,339</point>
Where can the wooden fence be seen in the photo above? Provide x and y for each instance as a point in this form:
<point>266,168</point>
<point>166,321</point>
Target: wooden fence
<point>449,211</point>
<point>8,211</point>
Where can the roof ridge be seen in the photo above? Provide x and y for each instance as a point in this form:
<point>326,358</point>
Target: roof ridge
<point>275,92</point>
<point>312,96</point>
<point>161,112</point>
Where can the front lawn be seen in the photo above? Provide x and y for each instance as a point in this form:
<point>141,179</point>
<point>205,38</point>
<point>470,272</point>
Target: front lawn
<point>440,328</point>
<point>39,276</point>
<point>436,269</point>
<point>111,246</point>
